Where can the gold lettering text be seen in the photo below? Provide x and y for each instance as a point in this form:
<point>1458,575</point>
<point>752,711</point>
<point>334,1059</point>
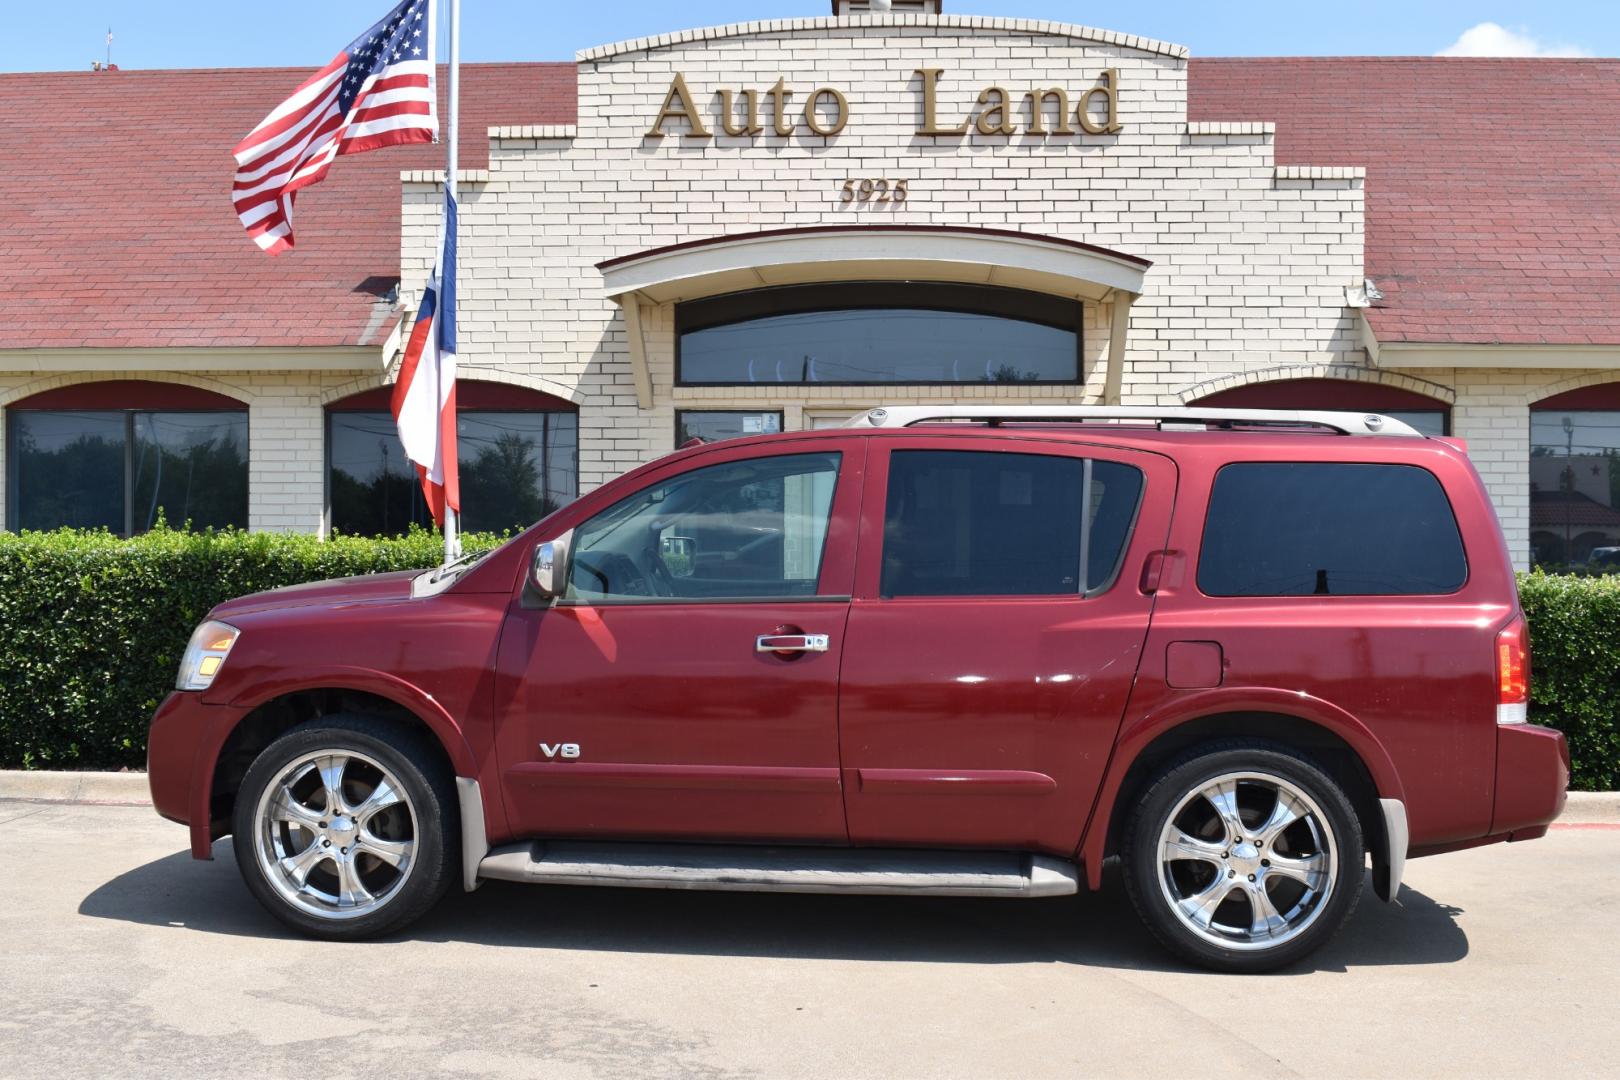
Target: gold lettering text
<point>678,104</point>
<point>1037,110</point>
<point>1110,94</point>
<point>779,95</point>
<point>930,121</point>
<point>994,118</point>
<point>840,118</point>
<point>728,110</point>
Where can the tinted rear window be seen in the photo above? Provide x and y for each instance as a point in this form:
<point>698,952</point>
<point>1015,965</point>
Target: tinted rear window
<point>979,523</point>
<point>1315,528</point>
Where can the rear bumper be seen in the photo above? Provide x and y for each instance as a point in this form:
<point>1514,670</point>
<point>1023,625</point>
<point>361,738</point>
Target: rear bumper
<point>1532,779</point>
<point>181,748</point>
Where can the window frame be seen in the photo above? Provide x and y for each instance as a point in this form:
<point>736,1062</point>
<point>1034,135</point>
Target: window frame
<point>1406,597</point>
<point>13,505</point>
<point>838,551</point>
<point>1602,397</point>
<point>1078,452</point>
<point>868,296</point>
<point>566,599</point>
<point>338,407</point>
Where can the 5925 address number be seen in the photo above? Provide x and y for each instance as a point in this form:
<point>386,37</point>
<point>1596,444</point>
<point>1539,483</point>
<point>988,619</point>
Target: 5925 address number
<point>873,190</point>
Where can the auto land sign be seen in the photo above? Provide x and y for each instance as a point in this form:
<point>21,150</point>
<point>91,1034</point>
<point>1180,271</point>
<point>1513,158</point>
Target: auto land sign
<point>1049,110</point>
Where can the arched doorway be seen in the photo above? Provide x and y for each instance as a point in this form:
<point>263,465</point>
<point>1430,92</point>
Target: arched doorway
<point>1427,414</point>
<point>121,454</point>
<point>518,453</point>
<point>1575,480</point>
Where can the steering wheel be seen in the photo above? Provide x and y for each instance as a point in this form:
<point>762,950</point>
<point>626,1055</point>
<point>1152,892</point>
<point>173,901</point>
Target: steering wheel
<point>765,536</point>
<point>619,575</point>
<point>658,574</point>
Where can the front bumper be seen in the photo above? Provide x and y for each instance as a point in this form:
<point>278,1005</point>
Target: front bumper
<point>1532,780</point>
<point>181,748</point>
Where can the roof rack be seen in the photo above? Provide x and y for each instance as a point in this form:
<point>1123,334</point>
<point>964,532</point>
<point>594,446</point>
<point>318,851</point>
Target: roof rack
<point>1344,423</point>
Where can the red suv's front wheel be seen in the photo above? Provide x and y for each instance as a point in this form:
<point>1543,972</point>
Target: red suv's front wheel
<point>1243,856</point>
<point>345,828</point>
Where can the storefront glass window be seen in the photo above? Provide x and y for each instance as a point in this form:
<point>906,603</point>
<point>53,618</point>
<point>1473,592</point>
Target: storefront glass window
<point>121,470</point>
<point>712,425</point>
<point>879,332</point>
<point>1575,489</point>
<point>516,467</point>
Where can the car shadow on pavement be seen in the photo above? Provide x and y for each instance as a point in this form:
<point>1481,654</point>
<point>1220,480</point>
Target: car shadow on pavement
<point>1094,930</point>
<point>1091,929</point>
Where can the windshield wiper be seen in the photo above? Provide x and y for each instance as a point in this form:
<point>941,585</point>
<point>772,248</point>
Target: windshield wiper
<point>454,564</point>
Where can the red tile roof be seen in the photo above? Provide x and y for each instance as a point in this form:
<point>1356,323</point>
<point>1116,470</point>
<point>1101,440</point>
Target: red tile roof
<point>1493,197</point>
<point>1493,186</point>
<point>116,227</point>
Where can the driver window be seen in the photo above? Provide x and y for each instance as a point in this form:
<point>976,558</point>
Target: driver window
<point>752,528</point>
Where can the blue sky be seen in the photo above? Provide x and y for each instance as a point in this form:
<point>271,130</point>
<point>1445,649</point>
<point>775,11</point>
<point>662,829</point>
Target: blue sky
<point>66,34</point>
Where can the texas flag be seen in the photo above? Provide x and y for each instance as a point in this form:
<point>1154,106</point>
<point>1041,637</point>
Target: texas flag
<point>424,403</point>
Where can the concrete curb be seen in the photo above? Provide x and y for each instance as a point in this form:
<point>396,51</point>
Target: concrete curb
<point>129,789</point>
<point>89,788</point>
<point>1591,808</point>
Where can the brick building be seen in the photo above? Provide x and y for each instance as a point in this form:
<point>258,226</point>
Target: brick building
<point>775,225</point>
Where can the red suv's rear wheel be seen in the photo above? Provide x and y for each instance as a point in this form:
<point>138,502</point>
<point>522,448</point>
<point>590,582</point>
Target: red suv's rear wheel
<point>1243,856</point>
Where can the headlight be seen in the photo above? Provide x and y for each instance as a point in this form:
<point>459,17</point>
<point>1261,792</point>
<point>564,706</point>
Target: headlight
<point>205,655</point>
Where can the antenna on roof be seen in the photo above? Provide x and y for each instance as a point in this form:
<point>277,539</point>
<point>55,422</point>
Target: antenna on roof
<point>109,48</point>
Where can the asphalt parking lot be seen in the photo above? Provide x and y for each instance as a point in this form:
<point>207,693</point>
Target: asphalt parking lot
<point>124,957</point>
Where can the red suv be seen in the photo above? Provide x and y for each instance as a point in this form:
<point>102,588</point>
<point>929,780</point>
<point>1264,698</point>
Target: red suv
<point>960,651</point>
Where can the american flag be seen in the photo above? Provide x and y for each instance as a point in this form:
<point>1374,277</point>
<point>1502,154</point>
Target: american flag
<point>377,92</point>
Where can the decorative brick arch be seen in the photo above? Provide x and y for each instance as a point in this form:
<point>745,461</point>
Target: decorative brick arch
<point>1341,372</point>
<point>527,382</point>
<point>1534,395</point>
<point>75,378</point>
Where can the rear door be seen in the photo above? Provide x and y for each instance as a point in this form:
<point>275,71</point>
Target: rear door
<point>994,635</point>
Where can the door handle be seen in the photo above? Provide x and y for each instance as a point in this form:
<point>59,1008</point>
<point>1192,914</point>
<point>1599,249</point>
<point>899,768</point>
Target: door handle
<point>790,643</point>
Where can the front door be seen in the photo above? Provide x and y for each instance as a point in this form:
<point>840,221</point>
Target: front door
<point>686,685</point>
<point>994,636</point>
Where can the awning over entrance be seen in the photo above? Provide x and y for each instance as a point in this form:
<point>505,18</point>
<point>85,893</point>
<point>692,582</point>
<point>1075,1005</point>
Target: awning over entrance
<point>728,264</point>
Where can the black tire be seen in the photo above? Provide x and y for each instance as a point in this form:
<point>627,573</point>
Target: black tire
<point>429,807</point>
<point>1151,882</point>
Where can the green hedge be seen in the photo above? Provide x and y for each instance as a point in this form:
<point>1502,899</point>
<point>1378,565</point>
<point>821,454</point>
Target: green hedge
<point>1575,669</point>
<point>92,627</point>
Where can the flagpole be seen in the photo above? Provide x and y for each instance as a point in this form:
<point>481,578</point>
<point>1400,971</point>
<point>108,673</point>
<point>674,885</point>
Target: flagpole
<point>452,522</point>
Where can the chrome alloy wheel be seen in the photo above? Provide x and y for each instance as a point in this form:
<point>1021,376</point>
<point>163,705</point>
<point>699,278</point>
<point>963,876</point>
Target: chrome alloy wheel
<point>335,834</point>
<point>1247,861</point>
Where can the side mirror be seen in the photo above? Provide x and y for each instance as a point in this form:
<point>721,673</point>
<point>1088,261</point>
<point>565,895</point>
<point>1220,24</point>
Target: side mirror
<point>548,573</point>
<point>679,555</point>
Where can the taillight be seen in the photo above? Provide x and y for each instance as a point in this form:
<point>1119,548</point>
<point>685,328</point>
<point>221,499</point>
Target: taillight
<point>1513,673</point>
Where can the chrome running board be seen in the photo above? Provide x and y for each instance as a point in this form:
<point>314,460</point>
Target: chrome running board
<point>782,869</point>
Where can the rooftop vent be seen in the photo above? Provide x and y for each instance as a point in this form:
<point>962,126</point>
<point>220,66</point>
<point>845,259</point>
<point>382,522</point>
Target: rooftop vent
<point>899,7</point>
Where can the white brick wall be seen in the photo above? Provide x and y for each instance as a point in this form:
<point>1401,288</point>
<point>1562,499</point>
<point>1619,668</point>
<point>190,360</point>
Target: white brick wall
<point>1250,263</point>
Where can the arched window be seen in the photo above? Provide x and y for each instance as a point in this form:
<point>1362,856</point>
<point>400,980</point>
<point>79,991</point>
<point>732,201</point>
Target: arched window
<point>1575,480</point>
<point>1428,415</point>
<point>519,458</point>
<point>118,454</point>
<point>878,332</point>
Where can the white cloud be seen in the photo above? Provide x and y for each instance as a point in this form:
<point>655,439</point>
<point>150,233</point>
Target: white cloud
<point>1489,39</point>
